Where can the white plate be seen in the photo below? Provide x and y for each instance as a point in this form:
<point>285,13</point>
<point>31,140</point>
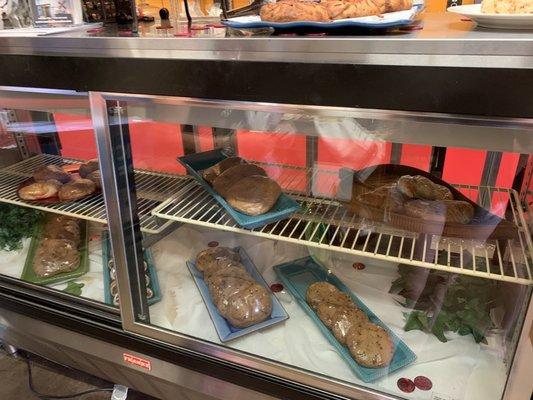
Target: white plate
<point>499,21</point>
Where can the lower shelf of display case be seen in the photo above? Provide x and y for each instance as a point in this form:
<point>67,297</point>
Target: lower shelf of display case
<point>152,189</point>
<point>324,223</point>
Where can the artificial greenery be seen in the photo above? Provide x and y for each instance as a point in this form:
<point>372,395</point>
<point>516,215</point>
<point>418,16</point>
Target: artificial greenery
<point>444,302</point>
<point>16,223</point>
<point>74,288</point>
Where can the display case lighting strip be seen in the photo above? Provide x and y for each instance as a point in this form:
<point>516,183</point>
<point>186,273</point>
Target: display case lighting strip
<point>152,189</point>
<point>325,223</point>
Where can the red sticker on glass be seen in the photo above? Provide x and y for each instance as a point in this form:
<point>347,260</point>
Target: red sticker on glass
<point>406,385</point>
<point>423,383</point>
<point>212,244</point>
<point>137,361</point>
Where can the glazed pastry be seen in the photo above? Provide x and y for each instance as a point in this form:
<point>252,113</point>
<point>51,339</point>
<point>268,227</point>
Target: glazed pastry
<point>212,172</point>
<point>253,195</point>
<point>88,167</point>
<point>370,345</point>
<point>386,6</point>
<point>76,190</point>
<point>288,11</point>
<point>51,172</point>
<point>420,187</point>
<point>231,176</point>
<point>210,255</point>
<point>39,190</point>
<point>445,211</point>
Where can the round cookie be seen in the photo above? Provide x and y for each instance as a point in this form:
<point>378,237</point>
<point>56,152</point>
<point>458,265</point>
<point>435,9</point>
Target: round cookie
<point>370,345</point>
<point>344,319</point>
<point>210,255</point>
<point>324,292</point>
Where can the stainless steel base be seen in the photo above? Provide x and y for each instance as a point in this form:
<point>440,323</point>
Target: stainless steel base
<point>106,361</point>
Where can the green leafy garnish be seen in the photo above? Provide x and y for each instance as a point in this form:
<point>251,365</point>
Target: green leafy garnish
<point>74,288</point>
<point>442,302</point>
<point>16,223</point>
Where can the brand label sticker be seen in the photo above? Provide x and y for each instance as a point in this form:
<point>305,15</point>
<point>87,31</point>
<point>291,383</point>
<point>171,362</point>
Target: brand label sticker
<point>137,361</point>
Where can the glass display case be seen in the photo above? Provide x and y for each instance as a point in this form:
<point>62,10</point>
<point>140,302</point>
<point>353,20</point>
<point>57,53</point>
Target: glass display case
<point>304,242</point>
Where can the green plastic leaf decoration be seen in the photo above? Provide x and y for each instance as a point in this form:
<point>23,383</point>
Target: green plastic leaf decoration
<point>74,288</point>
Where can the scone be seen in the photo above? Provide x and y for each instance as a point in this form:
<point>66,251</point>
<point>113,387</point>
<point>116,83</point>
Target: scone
<point>370,345</point>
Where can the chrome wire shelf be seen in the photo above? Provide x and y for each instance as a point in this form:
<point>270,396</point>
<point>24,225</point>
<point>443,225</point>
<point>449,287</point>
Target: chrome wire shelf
<point>324,223</point>
<point>152,189</point>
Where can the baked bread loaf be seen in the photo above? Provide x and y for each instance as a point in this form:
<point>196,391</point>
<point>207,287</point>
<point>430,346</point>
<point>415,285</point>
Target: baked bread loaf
<point>386,197</point>
<point>340,9</point>
<point>444,211</point>
<point>327,10</point>
<point>369,344</point>
<point>507,7</point>
<point>237,296</point>
<point>420,187</point>
<point>289,11</point>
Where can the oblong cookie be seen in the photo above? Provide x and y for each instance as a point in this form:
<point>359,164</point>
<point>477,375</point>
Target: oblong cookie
<point>223,182</point>
<point>253,195</point>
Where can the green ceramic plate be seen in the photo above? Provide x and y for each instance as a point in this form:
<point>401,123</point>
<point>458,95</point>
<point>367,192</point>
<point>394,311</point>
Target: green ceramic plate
<point>28,274</point>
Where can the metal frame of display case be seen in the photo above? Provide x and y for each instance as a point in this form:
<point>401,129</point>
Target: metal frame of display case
<point>479,80</point>
<point>109,114</point>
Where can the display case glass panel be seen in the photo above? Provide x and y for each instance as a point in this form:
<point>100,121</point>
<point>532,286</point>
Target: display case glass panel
<point>52,211</point>
<point>415,230</point>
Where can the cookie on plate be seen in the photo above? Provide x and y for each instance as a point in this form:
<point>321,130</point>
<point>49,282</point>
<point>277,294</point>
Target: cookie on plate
<point>370,345</point>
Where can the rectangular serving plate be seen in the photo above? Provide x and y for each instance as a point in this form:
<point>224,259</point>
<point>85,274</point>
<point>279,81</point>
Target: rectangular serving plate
<point>225,331</point>
<point>297,275</point>
<point>195,163</point>
<point>385,21</point>
<point>29,275</point>
<point>106,256</point>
